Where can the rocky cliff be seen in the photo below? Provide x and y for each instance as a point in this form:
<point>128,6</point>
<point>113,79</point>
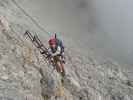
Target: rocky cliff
<point>25,75</point>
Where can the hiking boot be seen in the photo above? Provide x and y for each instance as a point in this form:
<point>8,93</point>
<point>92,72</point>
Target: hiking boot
<point>61,71</point>
<point>63,59</point>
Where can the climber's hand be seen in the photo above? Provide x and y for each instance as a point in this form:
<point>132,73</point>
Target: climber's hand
<point>54,54</point>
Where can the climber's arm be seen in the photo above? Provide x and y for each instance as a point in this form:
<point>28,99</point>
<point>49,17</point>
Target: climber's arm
<point>57,52</point>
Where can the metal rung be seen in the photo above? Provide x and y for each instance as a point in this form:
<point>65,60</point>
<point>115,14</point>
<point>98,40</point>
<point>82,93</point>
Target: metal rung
<point>40,46</point>
<point>37,42</point>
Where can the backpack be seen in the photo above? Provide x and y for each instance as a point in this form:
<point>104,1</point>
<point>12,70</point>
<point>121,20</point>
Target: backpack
<point>60,43</point>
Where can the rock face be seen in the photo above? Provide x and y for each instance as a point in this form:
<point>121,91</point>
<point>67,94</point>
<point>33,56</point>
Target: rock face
<point>24,75</point>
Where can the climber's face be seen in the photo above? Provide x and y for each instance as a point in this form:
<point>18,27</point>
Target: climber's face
<point>53,46</point>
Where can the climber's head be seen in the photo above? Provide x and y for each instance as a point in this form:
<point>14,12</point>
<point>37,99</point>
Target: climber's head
<point>52,42</point>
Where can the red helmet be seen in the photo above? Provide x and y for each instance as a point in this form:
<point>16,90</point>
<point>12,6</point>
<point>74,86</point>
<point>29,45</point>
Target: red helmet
<point>52,41</point>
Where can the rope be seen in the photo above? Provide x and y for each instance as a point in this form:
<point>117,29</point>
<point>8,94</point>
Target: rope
<point>30,17</point>
<point>33,20</point>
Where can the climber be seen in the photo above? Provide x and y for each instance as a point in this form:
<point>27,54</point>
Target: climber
<point>56,47</point>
